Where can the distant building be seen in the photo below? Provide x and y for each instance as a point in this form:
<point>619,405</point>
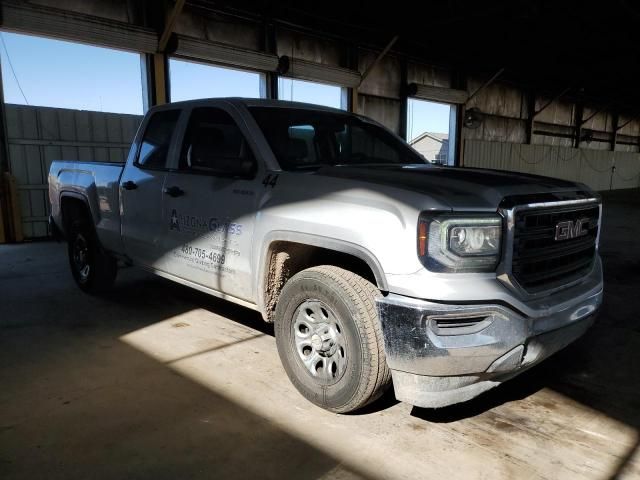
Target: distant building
<point>433,146</point>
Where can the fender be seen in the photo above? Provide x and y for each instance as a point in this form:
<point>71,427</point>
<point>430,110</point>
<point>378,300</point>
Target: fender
<point>316,241</point>
<point>83,198</point>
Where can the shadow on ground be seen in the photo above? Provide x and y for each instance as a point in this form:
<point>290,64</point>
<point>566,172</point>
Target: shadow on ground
<point>76,402</point>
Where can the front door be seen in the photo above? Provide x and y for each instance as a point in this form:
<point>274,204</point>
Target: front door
<point>141,189</point>
<point>210,204</point>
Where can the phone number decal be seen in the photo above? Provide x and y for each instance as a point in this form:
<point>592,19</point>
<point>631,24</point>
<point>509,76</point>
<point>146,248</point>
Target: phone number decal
<point>203,254</point>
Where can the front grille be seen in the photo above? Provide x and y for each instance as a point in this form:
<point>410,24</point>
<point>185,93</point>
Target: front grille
<point>542,262</point>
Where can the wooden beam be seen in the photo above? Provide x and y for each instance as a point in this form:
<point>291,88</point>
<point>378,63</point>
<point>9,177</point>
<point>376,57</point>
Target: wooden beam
<point>620,127</point>
<point>595,112</point>
<point>170,24</point>
<point>485,84</point>
<point>379,58</point>
<point>546,105</point>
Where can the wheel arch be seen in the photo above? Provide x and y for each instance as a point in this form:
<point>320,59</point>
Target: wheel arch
<point>286,253</point>
<point>73,204</point>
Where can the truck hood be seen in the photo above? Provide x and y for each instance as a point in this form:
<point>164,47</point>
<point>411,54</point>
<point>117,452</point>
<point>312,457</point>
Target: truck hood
<point>461,188</point>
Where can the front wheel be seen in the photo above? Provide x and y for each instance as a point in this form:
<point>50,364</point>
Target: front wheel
<point>92,268</point>
<point>329,339</point>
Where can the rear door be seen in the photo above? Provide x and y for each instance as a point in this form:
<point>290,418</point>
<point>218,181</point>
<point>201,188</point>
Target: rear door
<point>211,202</point>
<point>141,189</point>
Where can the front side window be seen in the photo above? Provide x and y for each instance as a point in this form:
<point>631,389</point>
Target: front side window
<point>214,144</point>
<point>156,141</point>
<point>307,139</point>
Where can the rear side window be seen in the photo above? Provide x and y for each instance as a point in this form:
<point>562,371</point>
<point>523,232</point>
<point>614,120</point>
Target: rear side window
<point>157,139</point>
<point>213,144</point>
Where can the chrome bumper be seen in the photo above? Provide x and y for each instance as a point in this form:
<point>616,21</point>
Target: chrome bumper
<point>441,354</point>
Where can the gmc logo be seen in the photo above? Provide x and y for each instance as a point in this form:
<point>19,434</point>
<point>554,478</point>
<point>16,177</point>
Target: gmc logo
<point>571,229</point>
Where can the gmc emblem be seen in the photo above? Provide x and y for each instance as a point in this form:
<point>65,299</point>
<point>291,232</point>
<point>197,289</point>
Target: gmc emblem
<point>571,229</point>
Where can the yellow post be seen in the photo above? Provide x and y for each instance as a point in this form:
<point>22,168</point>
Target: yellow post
<point>10,218</point>
<point>5,227</point>
<point>159,76</point>
<point>3,237</point>
<point>14,208</point>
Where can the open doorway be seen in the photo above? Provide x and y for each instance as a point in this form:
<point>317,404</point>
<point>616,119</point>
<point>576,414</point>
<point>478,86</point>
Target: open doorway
<point>431,128</point>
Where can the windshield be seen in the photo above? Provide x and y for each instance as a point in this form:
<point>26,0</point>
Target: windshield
<point>308,139</point>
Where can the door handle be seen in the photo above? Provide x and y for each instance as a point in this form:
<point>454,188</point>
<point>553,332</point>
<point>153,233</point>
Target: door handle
<point>174,191</point>
<point>129,185</point>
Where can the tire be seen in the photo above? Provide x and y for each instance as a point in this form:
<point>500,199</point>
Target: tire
<point>329,339</point>
<point>93,270</point>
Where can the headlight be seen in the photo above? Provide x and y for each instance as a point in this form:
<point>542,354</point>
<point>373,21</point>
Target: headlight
<point>469,243</point>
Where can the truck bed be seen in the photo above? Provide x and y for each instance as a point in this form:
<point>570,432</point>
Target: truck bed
<point>95,182</point>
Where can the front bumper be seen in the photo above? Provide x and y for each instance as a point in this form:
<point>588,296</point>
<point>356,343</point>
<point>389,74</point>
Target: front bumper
<point>441,354</point>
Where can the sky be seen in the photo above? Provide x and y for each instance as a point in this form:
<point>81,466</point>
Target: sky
<point>190,80</point>
<point>301,91</point>
<point>70,75</point>
<point>55,73</point>
<point>423,116</point>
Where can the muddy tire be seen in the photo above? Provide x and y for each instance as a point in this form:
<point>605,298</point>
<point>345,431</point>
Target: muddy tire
<point>93,270</point>
<point>329,339</point>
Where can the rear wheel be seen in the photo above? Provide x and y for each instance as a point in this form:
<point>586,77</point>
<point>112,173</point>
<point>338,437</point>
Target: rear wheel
<point>329,338</point>
<point>92,268</point>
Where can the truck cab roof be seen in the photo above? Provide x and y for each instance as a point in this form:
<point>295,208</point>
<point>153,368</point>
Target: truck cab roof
<point>249,102</point>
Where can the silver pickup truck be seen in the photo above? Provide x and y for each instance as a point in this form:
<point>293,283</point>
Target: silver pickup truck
<point>375,266</point>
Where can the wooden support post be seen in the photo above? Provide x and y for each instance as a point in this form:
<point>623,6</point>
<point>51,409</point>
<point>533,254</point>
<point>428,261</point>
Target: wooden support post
<point>531,108</point>
<point>404,99</point>
<point>456,147</point>
<point>10,218</point>
<point>352,95</point>
<point>170,23</point>
<point>160,79</point>
<point>158,76</point>
<point>5,225</point>
<point>578,124</point>
<point>270,46</point>
<point>353,100</point>
<point>614,135</point>
<point>10,207</point>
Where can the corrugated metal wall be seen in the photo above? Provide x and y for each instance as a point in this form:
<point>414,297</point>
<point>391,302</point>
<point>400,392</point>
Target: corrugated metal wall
<point>592,167</point>
<point>39,135</point>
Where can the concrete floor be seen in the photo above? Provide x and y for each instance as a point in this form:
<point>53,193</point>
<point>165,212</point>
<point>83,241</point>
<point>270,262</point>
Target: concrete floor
<point>157,381</point>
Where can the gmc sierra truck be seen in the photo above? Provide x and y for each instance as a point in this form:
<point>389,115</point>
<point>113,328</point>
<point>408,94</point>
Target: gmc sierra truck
<point>376,267</point>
